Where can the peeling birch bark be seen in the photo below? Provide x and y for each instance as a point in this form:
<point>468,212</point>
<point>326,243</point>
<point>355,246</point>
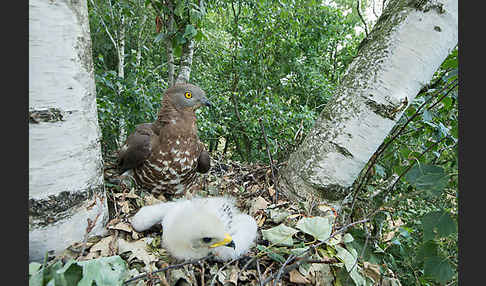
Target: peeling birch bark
<point>65,164</point>
<point>121,74</point>
<point>186,63</point>
<point>406,46</point>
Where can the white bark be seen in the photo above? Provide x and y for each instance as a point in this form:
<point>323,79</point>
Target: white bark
<point>121,74</point>
<point>186,63</point>
<point>65,164</point>
<point>405,48</point>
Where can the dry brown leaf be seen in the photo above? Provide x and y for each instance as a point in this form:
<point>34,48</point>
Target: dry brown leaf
<point>258,204</point>
<point>233,275</point>
<point>102,248</point>
<point>132,194</point>
<point>271,190</point>
<point>138,249</point>
<point>394,225</point>
<point>125,207</point>
<point>113,221</point>
<point>260,220</point>
<point>122,226</point>
<point>253,189</point>
<point>151,200</point>
<point>372,271</point>
<point>296,277</point>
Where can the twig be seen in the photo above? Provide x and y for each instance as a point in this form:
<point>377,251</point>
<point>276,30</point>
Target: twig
<point>375,156</point>
<point>401,175</point>
<point>269,157</point>
<point>202,273</point>
<point>305,259</point>
<point>259,272</point>
<point>280,271</point>
<point>361,17</point>
<point>213,280</point>
<point>167,268</point>
<point>89,228</point>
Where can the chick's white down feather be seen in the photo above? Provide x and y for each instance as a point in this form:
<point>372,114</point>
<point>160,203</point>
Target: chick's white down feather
<point>186,222</point>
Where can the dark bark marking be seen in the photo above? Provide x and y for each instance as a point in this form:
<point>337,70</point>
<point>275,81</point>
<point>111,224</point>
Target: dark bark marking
<point>43,212</point>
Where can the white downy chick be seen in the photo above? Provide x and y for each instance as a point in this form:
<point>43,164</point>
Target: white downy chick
<point>194,228</point>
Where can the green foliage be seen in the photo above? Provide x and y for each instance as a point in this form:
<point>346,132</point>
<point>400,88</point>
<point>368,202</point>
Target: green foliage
<point>133,99</point>
<point>278,63</point>
<point>423,250</point>
<point>107,271</point>
<point>319,227</point>
<point>431,179</point>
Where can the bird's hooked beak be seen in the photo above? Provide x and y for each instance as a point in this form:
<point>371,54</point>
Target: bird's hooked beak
<point>227,241</point>
<point>205,101</point>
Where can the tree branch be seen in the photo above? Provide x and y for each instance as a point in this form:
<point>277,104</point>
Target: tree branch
<point>167,268</point>
<point>361,17</point>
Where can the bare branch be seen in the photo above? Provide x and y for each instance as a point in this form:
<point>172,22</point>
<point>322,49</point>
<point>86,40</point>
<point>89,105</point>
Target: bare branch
<point>375,157</point>
<point>167,268</point>
<point>95,9</point>
<point>361,17</point>
<point>272,167</point>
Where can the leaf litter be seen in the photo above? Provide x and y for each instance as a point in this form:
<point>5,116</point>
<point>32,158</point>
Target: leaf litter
<point>286,228</point>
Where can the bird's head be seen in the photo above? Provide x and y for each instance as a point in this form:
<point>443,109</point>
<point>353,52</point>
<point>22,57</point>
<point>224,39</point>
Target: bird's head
<point>195,234</point>
<point>186,96</point>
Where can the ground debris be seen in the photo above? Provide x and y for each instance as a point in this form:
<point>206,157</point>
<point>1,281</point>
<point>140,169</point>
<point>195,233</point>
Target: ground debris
<point>253,188</point>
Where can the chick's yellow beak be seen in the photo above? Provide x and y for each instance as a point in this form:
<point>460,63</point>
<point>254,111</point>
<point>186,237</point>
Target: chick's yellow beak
<point>227,239</point>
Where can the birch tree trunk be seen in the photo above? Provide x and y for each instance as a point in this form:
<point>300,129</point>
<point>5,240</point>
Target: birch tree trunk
<point>406,46</point>
<point>121,73</point>
<point>186,62</point>
<point>65,164</point>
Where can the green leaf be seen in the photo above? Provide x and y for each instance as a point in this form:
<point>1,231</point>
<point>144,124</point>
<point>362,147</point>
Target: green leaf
<point>200,35</point>
<point>299,251</point>
<point>280,235</point>
<point>429,178</point>
<point>349,257</point>
<point>380,171</point>
<point>34,267</point>
<point>70,274</point>
<point>271,253</point>
<point>438,223</point>
<point>427,115</point>
<point>190,32</point>
<point>104,271</point>
<point>438,268</point>
<point>426,250</point>
<point>347,238</point>
<point>319,227</point>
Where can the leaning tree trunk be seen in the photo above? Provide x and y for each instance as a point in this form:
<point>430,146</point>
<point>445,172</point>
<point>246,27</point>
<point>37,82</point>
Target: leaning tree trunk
<point>406,46</point>
<point>65,166</point>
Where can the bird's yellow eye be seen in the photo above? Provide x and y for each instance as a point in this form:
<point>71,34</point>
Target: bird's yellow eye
<point>188,95</point>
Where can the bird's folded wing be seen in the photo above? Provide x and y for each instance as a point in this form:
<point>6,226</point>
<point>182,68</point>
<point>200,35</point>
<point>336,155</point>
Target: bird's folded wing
<point>137,148</point>
<point>203,162</point>
<point>148,216</point>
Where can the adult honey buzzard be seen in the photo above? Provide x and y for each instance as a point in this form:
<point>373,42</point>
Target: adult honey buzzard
<point>164,156</point>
